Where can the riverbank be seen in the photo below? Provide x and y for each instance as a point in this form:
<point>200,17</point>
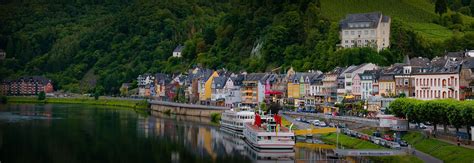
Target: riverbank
<point>439,149</point>
<point>136,104</point>
<point>354,143</point>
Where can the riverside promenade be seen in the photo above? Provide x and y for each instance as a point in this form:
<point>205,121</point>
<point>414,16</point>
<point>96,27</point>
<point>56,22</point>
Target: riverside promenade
<point>185,109</point>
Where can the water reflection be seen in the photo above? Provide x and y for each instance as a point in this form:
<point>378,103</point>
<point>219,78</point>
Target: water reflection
<point>83,133</point>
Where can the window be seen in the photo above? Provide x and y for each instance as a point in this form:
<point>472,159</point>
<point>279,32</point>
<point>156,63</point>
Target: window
<point>366,32</point>
<point>346,32</point>
<point>346,41</point>
<point>359,32</point>
<point>352,32</point>
<point>406,81</point>
<point>372,32</point>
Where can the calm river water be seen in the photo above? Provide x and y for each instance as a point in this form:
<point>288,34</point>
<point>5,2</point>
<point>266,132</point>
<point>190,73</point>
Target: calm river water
<point>85,133</point>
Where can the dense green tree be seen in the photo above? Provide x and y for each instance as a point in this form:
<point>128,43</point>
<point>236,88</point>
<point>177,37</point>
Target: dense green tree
<point>41,96</point>
<point>441,7</point>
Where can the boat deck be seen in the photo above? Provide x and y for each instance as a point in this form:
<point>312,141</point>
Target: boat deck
<point>261,129</point>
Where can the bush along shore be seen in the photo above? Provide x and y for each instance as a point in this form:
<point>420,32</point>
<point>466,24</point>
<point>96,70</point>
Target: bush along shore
<point>137,104</point>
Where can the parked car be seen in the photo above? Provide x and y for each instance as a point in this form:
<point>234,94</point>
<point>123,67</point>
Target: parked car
<point>332,124</point>
<point>388,137</point>
<point>422,126</point>
<point>353,133</point>
<point>393,145</point>
<point>376,140</point>
<point>364,137</point>
<point>403,143</point>
<point>315,122</point>
<point>322,124</point>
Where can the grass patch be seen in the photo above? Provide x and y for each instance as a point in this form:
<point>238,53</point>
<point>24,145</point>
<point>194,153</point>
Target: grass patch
<point>407,10</point>
<point>349,142</point>
<point>143,104</point>
<point>354,143</point>
<point>431,31</point>
<point>439,149</point>
<point>287,123</point>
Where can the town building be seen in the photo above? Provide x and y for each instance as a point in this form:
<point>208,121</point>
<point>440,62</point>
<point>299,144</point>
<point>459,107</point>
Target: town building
<point>330,84</point>
<point>143,82</point>
<point>349,75</point>
<point>369,85</point>
<point>439,80</point>
<point>387,85</point>
<point>177,51</point>
<point>466,79</point>
<point>365,30</point>
<point>233,95</point>
<point>218,90</point>
<point>27,85</point>
<point>356,87</point>
<point>161,80</point>
<point>253,89</point>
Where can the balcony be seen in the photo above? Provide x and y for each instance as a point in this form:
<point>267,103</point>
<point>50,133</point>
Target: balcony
<point>248,91</point>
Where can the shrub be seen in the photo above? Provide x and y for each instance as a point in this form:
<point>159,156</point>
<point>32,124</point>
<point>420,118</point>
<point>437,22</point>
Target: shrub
<point>3,99</point>
<point>42,95</point>
<point>216,117</point>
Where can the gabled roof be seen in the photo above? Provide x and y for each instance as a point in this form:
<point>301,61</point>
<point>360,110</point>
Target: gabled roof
<point>39,79</point>
<point>386,77</point>
<point>237,80</point>
<point>419,62</point>
<point>371,19</point>
<point>178,48</point>
<point>468,63</point>
<point>219,82</point>
<point>255,77</point>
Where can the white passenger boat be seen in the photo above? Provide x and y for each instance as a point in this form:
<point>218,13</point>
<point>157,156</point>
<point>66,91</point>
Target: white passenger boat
<point>268,133</point>
<point>235,119</point>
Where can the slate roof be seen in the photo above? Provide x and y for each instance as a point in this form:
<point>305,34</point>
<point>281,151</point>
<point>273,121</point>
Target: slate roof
<point>372,19</point>
<point>178,48</point>
<point>419,62</point>
<point>374,73</point>
<point>39,79</point>
<point>468,63</point>
<point>386,77</point>
<point>317,79</point>
<point>162,78</point>
<point>219,82</point>
<point>237,80</point>
<point>355,68</point>
<point>255,77</point>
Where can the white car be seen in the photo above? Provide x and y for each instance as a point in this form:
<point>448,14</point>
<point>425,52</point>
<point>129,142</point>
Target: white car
<point>315,122</point>
<point>322,124</point>
<point>422,126</point>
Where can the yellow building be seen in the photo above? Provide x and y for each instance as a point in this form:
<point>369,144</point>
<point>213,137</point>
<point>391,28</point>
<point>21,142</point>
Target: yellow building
<point>293,90</point>
<point>207,86</point>
<point>386,85</point>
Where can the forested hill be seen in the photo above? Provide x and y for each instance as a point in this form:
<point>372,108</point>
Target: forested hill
<point>114,41</point>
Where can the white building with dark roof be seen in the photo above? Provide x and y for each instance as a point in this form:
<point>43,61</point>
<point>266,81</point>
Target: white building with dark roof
<point>365,29</point>
<point>177,51</point>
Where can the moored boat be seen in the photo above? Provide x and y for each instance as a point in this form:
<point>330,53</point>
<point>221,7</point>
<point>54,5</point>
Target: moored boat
<point>234,120</point>
<point>268,133</point>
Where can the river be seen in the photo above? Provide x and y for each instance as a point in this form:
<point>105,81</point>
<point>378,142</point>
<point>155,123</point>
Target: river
<point>87,133</point>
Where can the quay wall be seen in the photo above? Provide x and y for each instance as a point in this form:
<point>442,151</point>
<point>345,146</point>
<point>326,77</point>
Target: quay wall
<point>185,109</point>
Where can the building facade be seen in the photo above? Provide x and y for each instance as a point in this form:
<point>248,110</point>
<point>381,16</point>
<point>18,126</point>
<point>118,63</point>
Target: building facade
<point>365,29</point>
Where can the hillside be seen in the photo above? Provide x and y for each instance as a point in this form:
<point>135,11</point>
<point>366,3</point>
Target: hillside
<point>419,14</point>
<point>107,43</point>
